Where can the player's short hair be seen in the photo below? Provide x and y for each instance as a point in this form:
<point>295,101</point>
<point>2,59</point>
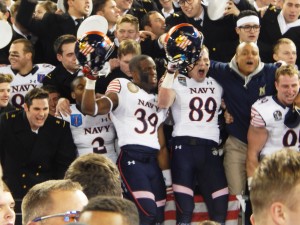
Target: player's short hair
<point>289,70</point>
<point>27,45</point>
<point>126,208</point>
<point>62,40</point>
<point>73,83</point>
<point>6,78</point>
<point>97,174</point>
<point>129,47</point>
<point>127,18</point>
<point>38,200</point>
<point>282,41</point>
<point>276,180</point>
<point>134,64</point>
<point>35,93</point>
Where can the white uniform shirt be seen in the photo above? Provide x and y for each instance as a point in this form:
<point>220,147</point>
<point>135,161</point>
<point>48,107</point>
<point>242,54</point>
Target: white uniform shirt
<point>273,114</point>
<point>137,116</point>
<point>92,134</point>
<point>22,84</point>
<point>196,106</point>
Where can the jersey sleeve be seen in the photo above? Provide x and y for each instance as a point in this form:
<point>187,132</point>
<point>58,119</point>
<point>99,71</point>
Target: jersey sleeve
<point>256,118</point>
<point>114,86</point>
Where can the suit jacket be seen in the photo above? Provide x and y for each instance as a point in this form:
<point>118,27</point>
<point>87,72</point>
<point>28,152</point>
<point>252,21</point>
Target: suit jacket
<point>270,31</point>
<point>28,158</point>
<point>48,29</point>
<point>61,79</point>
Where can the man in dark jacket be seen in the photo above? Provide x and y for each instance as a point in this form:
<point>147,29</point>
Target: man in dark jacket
<point>34,146</point>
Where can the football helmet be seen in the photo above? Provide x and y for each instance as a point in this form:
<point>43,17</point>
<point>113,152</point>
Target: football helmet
<point>183,44</point>
<point>92,50</point>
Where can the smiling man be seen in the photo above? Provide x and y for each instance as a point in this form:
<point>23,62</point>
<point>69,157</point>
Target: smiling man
<point>195,101</point>
<point>5,80</point>
<point>267,132</point>
<point>34,146</point>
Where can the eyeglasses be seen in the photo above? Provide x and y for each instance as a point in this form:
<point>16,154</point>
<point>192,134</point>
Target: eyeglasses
<point>247,28</point>
<point>70,216</point>
<point>181,2</point>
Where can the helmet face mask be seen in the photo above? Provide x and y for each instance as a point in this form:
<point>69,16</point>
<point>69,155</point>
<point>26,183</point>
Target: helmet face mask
<point>188,54</point>
<point>102,48</point>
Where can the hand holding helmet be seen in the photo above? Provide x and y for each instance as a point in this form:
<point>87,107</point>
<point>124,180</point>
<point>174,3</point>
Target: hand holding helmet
<point>92,51</point>
<point>183,44</point>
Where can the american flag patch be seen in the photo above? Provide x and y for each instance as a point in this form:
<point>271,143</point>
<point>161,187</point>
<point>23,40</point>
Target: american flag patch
<point>114,86</point>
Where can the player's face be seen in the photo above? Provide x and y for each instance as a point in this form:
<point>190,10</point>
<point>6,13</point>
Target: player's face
<point>7,213</point>
<point>247,58</point>
<point>53,100</point>
<point>101,218</point>
<point>110,12</point>
<point>17,57</point>
<point>126,31</point>
<point>4,94</point>
<point>79,85</point>
<point>287,53</point>
<point>200,68</point>
<point>248,36</point>
<point>158,23</point>
<point>147,76</point>
<point>191,8</point>
<point>63,201</point>
<point>80,8</point>
<point>68,57</point>
<point>37,113</point>
<point>39,12</point>
<point>287,88</point>
<point>124,63</point>
<point>291,10</point>
<point>124,5</point>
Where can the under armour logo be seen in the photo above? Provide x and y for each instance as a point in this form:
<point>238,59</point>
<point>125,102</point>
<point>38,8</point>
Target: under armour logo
<point>131,163</point>
<point>209,82</point>
<point>178,146</point>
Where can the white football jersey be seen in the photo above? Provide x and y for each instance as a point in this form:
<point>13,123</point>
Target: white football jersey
<point>22,84</point>
<point>196,106</point>
<point>92,134</point>
<point>280,135</point>
<point>137,116</point>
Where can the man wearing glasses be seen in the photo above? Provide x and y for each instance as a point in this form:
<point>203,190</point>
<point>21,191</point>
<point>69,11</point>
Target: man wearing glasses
<point>53,202</point>
<point>216,32</point>
<point>247,29</point>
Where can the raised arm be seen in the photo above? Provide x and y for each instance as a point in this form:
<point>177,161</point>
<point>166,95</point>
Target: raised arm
<point>92,106</point>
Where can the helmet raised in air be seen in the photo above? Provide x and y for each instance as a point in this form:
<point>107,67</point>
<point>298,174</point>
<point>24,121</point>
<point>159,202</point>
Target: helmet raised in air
<point>188,54</point>
<point>93,49</point>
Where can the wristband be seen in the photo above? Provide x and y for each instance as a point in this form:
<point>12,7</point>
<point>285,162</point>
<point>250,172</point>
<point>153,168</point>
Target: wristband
<point>168,80</point>
<point>96,109</point>
<point>90,84</point>
<point>110,101</point>
<point>167,177</point>
<point>249,181</point>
